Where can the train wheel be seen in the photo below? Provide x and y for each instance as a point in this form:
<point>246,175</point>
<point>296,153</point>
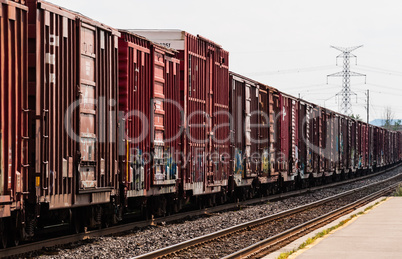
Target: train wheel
<point>76,225</point>
<point>15,238</point>
<point>3,234</point>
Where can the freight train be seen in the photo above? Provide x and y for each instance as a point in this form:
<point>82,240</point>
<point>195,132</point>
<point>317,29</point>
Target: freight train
<point>97,123</point>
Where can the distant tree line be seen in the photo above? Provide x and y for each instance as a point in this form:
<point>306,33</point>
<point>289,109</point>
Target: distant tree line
<point>388,121</point>
<point>389,118</point>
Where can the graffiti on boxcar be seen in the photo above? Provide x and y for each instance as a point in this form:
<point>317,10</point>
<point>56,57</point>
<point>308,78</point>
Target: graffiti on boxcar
<point>170,165</point>
<point>137,168</point>
<point>238,162</point>
<point>265,161</point>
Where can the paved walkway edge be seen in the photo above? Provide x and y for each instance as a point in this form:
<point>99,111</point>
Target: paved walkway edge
<point>295,244</point>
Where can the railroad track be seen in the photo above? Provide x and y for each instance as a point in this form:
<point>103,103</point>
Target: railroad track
<point>186,248</point>
<point>57,241</point>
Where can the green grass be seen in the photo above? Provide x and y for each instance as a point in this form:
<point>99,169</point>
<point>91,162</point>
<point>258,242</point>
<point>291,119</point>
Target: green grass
<point>326,232</point>
<point>398,191</point>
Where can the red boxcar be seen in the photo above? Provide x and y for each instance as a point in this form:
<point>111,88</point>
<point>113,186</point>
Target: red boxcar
<point>266,134</point>
<point>149,90</point>
<point>399,145</point>
<point>326,153</point>
<point>287,120</point>
<point>249,129</point>
<point>73,82</point>
<point>303,162</point>
<point>13,107</point>
<point>205,98</point>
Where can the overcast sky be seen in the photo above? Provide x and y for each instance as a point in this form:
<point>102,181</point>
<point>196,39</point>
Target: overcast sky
<point>285,44</point>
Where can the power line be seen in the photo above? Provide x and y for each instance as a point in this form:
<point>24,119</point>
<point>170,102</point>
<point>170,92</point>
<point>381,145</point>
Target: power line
<point>384,86</point>
<point>319,86</point>
<point>380,70</point>
<point>292,70</point>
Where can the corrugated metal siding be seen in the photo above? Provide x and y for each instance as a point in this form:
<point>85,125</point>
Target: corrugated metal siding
<point>311,138</point>
<point>206,93</point>
<point>294,136</point>
<point>237,125</point>
<point>264,131</point>
<point>149,94</point>
<point>272,136</point>
<point>220,114</point>
<point>302,125</point>
<point>135,94</point>
<point>250,127</point>
<point>13,103</point>
<point>72,61</point>
<point>254,132</point>
<point>284,120</point>
<point>173,117</point>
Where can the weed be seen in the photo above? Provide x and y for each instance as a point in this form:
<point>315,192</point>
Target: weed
<point>398,191</point>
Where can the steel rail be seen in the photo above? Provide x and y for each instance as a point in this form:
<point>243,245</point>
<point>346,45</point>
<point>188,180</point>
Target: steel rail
<point>281,239</point>
<point>38,245</point>
<point>224,232</point>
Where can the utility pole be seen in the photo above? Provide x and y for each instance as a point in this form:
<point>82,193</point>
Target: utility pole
<point>346,105</point>
<point>368,103</point>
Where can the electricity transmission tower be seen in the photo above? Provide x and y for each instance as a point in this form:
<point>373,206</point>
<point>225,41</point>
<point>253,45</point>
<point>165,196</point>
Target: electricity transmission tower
<point>346,105</point>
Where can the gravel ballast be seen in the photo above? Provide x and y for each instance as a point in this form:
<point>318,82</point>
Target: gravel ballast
<point>156,237</point>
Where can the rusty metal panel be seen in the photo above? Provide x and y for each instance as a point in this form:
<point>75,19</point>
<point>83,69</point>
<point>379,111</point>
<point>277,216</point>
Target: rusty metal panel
<point>135,95</point>
<point>321,139</point>
<point>285,133</point>
<point>343,142</point>
<point>204,97</point>
<point>295,138</point>
<point>375,146</point>
<point>332,139</point>
<point>315,125</point>
<point>73,95</point>
<point>149,86</point>
<point>206,102</point>
<point>264,133</point>
<point>173,118</point>
<point>400,145</point>
<point>220,114</point>
<point>352,141</point>
<point>245,128</point>
<point>13,103</point>
<point>237,129</point>
<point>302,125</point>
<point>2,173</point>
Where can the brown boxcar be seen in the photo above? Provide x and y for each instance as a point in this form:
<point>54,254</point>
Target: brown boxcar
<point>398,145</point>
<point>13,108</point>
<point>327,142</point>
<point>205,99</point>
<point>149,90</point>
<point>345,143</point>
<point>73,82</point>
<point>250,130</point>
<point>287,120</point>
<point>302,147</point>
<point>255,132</point>
<point>266,134</point>
<point>316,127</point>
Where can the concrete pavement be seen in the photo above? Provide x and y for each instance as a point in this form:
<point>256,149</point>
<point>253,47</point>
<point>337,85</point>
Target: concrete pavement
<point>376,234</point>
